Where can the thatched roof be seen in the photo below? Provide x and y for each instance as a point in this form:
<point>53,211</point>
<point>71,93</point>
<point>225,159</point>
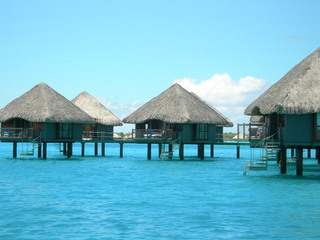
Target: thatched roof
<point>96,110</point>
<point>298,92</point>
<point>43,104</point>
<point>177,105</point>
<point>256,119</point>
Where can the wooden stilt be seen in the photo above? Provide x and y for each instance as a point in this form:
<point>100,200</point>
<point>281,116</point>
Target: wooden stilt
<point>160,149</point>
<point>201,151</point>
<point>181,151</point>
<point>39,150</point>
<point>212,150</point>
<point>96,149</point>
<point>171,151</point>
<point>69,154</point>
<point>83,148</point>
<point>103,150</point>
<point>15,147</point>
<point>64,150</point>
<point>309,153</point>
<point>44,150</point>
<point>121,150</point>
<point>238,151</point>
<point>283,160</point>
<point>299,162</point>
<point>292,152</point>
<point>149,151</point>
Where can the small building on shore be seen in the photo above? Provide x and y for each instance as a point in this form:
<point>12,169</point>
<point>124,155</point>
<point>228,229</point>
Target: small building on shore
<point>104,119</point>
<point>42,115</point>
<point>291,110</point>
<point>178,113</point>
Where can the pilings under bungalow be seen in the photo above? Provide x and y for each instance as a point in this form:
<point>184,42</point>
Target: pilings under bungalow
<point>67,148</point>
<point>296,152</point>
<point>181,152</point>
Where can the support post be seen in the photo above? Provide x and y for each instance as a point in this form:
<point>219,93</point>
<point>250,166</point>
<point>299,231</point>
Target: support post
<point>44,150</point>
<point>160,149</point>
<point>292,152</point>
<point>103,151</point>
<point>64,150</point>
<point>309,153</point>
<point>299,162</point>
<point>149,151</point>
<point>181,151</point>
<point>243,131</point>
<point>238,131</point>
<point>96,149</point>
<point>121,150</point>
<point>318,155</point>
<point>83,144</point>
<point>212,150</point>
<point>283,160</point>
<point>39,150</point>
<point>202,151</point>
<point>170,151</point>
<point>238,151</point>
<point>15,147</point>
<point>69,154</point>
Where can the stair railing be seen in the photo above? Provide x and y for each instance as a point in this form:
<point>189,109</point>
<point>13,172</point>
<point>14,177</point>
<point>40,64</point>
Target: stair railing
<point>260,145</point>
<point>166,153</point>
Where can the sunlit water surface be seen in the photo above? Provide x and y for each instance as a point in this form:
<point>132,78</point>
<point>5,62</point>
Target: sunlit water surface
<point>135,198</point>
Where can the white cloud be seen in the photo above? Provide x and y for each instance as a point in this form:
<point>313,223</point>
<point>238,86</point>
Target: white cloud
<point>121,110</point>
<point>220,89</point>
<point>230,97</point>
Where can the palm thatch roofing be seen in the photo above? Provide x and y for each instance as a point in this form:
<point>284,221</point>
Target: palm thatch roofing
<point>256,119</point>
<point>96,109</point>
<point>177,105</point>
<point>298,92</point>
<point>43,104</point>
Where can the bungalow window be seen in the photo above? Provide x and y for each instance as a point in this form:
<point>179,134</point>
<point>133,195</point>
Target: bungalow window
<point>281,120</point>
<point>202,131</point>
<point>318,126</point>
<point>65,130</point>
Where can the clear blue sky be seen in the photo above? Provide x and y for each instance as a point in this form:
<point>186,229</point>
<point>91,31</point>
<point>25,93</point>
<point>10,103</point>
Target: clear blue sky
<point>130,51</point>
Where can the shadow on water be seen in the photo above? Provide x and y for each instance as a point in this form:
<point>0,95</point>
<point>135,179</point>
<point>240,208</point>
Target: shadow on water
<point>310,173</point>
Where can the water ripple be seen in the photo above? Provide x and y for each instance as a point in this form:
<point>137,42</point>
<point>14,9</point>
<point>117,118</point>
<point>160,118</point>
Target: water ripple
<point>133,198</point>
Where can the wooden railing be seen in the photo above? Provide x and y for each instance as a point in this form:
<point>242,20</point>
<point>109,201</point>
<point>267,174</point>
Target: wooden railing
<point>91,135</point>
<point>251,131</point>
<point>152,133</point>
<point>16,132</point>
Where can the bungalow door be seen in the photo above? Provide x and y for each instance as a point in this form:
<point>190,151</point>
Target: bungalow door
<point>201,131</point>
<point>65,131</point>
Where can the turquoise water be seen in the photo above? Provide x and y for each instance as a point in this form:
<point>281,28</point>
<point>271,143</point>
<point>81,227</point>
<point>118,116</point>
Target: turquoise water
<point>133,198</point>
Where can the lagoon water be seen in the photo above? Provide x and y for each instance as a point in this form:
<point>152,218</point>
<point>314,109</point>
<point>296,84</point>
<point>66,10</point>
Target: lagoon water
<point>135,198</point>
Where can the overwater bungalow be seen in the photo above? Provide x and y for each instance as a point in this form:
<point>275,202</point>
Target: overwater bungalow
<point>177,115</point>
<point>104,119</point>
<point>42,115</point>
<point>103,128</point>
<point>290,111</point>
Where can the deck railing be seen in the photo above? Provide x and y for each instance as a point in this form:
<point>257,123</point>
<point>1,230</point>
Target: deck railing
<point>251,131</point>
<point>94,135</point>
<point>152,133</point>
<point>219,137</point>
<point>16,132</point>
